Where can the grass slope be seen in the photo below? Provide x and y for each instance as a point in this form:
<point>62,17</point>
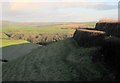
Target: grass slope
<point>14,51</point>
<point>11,42</point>
<point>62,60</point>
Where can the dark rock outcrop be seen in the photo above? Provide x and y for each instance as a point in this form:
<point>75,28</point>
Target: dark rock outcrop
<point>112,29</point>
<point>110,52</point>
<point>105,37</point>
<point>88,38</point>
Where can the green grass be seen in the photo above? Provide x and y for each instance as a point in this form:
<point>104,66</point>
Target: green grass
<point>14,51</point>
<point>11,42</point>
<point>60,61</point>
<point>49,28</point>
<point>2,35</point>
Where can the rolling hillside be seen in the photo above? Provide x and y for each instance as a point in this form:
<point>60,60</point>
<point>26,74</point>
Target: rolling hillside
<point>60,61</point>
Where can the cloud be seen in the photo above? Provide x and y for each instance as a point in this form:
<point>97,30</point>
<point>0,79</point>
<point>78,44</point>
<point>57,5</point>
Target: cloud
<point>104,6</point>
<point>48,0</point>
<point>21,6</point>
<point>59,5</point>
<point>56,11</point>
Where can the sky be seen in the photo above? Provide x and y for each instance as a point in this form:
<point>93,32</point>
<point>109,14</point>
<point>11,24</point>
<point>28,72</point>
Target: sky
<point>58,10</point>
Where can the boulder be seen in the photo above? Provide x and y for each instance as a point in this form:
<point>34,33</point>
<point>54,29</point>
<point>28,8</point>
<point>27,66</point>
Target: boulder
<point>112,28</point>
<point>85,37</point>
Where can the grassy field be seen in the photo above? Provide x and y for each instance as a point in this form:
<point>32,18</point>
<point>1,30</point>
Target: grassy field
<point>48,27</point>
<point>11,42</point>
<point>31,29</point>
<point>60,61</point>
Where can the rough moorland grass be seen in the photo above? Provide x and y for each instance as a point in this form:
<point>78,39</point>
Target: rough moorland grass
<point>60,61</point>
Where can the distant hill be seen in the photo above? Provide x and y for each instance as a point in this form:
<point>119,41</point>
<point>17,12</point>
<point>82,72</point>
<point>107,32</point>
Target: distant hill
<point>46,24</point>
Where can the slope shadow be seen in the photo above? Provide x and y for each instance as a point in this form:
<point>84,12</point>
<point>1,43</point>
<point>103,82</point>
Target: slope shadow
<point>14,51</point>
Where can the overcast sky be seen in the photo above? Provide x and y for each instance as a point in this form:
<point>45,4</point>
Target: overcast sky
<point>59,10</point>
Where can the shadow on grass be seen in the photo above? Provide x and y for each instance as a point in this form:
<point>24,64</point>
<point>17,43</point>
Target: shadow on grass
<point>14,51</point>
